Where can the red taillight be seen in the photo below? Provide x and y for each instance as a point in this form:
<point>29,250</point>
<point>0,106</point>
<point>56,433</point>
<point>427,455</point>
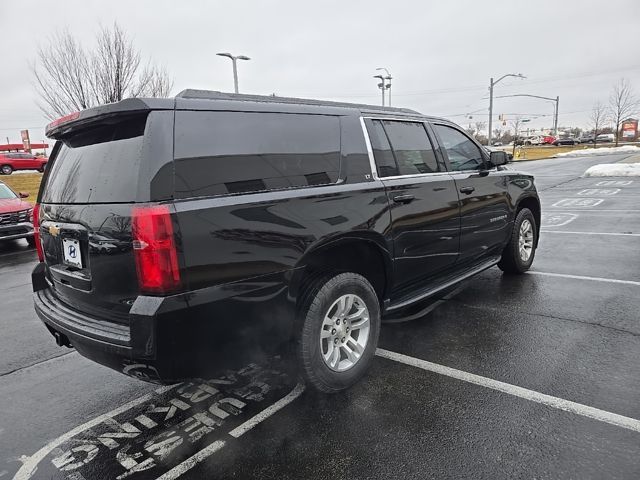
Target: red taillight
<point>36,231</point>
<point>155,249</point>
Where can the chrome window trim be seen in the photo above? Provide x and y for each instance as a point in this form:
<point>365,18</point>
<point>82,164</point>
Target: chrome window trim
<point>367,141</point>
<point>372,160</point>
<point>416,175</point>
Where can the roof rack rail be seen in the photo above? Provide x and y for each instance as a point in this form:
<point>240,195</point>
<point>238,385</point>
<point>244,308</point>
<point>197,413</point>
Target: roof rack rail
<point>215,95</point>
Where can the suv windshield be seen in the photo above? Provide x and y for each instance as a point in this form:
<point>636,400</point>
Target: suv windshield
<point>6,193</point>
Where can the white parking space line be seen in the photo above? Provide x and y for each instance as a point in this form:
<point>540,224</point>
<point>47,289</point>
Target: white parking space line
<point>581,277</point>
<point>267,412</point>
<point>192,461</point>
<point>29,464</point>
<point>209,450</point>
<point>619,210</point>
<point>593,233</point>
<point>531,395</point>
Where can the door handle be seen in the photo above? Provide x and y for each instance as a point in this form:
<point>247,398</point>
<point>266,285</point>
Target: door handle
<point>467,190</point>
<point>407,198</point>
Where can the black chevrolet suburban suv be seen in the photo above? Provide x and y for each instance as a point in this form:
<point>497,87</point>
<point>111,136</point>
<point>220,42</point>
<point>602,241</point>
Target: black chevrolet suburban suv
<point>181,235</point>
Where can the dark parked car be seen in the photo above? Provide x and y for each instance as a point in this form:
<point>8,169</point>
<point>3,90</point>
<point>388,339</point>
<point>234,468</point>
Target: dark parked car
<point>255,223</point>
<point>15,215</point>
<point>566,141</point>
<point>10,162</point>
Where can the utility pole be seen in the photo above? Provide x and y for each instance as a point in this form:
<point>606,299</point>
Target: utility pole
<point>235,67</point>
<point>555,119</point>
<point>491,85</point>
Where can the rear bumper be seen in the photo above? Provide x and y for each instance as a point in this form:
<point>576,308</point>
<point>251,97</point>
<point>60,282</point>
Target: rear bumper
<point>172,338</point>
<point>16,230</point>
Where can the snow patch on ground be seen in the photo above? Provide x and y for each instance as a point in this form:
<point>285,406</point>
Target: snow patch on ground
<point>594,152</point>
<point>614,170</point>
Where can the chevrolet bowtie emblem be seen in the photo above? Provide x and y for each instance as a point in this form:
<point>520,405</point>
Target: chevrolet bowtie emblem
<point>54,230</point>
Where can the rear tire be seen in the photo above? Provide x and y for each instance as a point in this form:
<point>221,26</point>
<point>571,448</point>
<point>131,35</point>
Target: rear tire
<point>41,169</point>
<point>6,170</point>
<point>338,336</point>
<point>518,255</point>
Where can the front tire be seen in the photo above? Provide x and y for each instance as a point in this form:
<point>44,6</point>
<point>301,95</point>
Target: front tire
<point>6,169</point>
<point>518,255</point>
<point>338,335</point>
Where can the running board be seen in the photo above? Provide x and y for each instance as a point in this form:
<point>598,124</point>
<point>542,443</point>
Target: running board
<point>447,284</point>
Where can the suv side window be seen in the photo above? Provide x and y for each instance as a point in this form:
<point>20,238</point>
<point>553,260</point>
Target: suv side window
<point>382,153</point>
<point>462,152</point>
<point>218,153</point>
<point>411,146</point>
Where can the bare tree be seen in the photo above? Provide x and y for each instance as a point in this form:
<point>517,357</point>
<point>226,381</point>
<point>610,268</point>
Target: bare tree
<point>515,124</point>
<point>71,77</point>
<point>622,104</point>
<point>597,119</point>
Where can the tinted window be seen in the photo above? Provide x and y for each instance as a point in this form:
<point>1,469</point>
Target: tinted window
<point>462,152</point>
<point>411,147</point>
<point>218,153</point>
<point>382,150</point>
<point>98,165</point>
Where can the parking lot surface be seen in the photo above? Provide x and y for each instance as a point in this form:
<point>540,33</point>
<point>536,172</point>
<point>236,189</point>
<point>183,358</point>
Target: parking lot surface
<point>532,376</point>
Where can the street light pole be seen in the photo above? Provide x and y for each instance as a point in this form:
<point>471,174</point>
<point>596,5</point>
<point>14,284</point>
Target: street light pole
<point>491,85</point>
<point>388,85</point>
<point>235,67</point>
<point>381,86</point>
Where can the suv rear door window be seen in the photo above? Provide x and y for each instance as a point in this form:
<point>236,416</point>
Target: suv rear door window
<point>385,162</point>
<point>462,152</point>
<point>411,147</point>
<point>98,165</point>
<point>218,153</point>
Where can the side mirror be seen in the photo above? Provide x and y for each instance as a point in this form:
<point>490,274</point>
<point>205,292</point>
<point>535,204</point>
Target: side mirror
<point>23,195</point>
<point>498,158</point>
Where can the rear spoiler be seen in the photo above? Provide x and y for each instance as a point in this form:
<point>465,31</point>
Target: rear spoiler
<point>78,120</point>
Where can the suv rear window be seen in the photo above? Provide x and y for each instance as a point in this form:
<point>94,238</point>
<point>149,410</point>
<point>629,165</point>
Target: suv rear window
<point>218,153</point>
<point>98,165</point>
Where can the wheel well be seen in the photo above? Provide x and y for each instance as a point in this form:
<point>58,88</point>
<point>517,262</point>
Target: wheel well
<point>533,205</point>
<point>358,256</point>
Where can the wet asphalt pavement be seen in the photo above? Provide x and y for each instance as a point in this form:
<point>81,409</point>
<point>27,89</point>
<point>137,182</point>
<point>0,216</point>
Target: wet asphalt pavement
<point>569,330</point>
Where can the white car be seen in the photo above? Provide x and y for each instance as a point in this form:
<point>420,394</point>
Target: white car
<point>606,137</point>
<point>534,140</point>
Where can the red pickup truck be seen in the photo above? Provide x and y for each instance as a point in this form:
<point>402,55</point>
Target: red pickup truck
<point>9,162</point>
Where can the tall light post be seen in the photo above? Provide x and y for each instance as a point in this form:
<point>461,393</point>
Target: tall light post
<point>235,68</point>
<point>556,106</point>
<point>381,86</point>
<point>388,78</point>
<point>491,85</point>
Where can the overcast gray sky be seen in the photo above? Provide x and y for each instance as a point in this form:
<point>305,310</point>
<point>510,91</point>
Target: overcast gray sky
<point>441,53</point>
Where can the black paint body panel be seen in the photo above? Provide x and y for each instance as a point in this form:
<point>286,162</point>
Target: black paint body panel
<point>244,257</point>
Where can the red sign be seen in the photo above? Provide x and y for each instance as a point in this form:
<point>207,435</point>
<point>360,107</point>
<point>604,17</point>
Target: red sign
<point>26,143</point>
<point>630,129</point>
